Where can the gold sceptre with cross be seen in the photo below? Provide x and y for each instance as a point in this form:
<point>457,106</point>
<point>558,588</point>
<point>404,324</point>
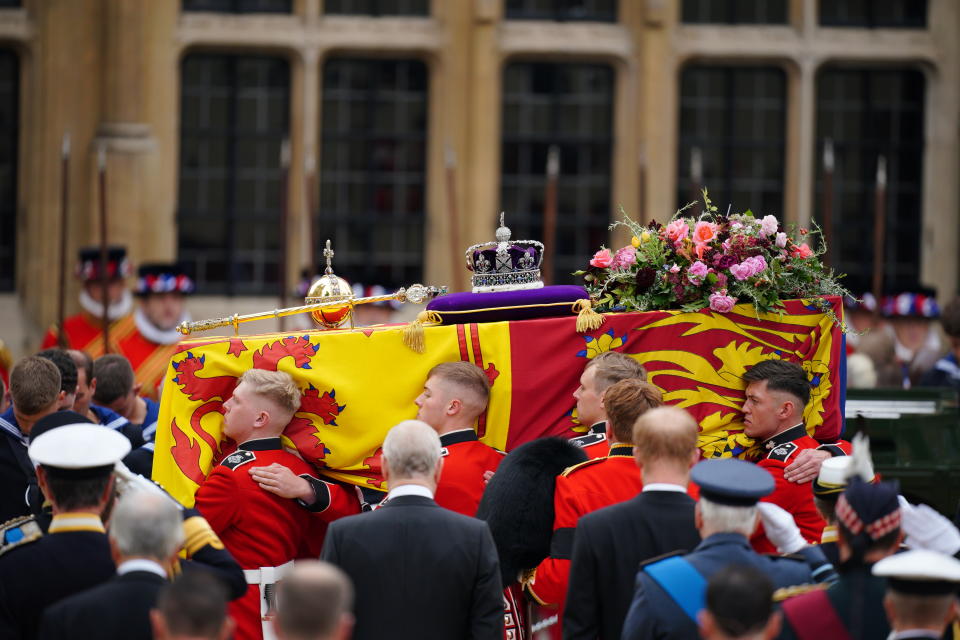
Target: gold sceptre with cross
<point>330,301</point>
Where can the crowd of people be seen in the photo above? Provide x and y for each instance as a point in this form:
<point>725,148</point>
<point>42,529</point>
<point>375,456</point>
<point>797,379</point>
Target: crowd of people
<point>623,532</point>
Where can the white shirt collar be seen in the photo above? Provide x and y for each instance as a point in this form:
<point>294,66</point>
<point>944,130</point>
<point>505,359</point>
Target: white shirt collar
<point>141,564</point>
<point>663,486</point>
<point>410,490</point>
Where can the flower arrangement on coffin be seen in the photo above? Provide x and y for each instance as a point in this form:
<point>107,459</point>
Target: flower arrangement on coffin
<point>713,261</point>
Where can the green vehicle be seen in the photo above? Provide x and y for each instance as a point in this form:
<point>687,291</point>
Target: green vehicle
<point>914,438</point>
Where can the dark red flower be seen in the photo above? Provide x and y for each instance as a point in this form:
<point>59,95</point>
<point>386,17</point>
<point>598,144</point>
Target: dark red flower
<point>645,278</point>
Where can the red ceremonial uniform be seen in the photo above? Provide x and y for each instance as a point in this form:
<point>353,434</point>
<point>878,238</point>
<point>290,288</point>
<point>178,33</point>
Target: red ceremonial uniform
<point>594,443</point>
<point>85,333</point>
<point>148,359</point>
<point>259,528</point>
<point>580,490</point>
<point>782,449</point>
<point>465,461</point>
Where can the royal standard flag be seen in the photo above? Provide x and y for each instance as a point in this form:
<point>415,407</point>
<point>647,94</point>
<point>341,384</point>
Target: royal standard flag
<point>356,384</point>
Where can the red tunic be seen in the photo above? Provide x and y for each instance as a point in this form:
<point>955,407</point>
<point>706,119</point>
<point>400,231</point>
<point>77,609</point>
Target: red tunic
<point>148,359</point>
<point>259,528</point>
<point>85,333</point>
<point>783,449</point>
<point>465,461</point>
<point>580,490</point>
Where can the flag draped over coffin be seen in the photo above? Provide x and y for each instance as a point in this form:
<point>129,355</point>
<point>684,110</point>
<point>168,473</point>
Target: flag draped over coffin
<point>357,384</point>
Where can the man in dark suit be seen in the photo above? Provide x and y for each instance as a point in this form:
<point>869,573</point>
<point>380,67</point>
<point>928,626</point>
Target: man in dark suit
<point>147,532</point>
<point>145,535</point>
<point>419,571</point>
<point>75,471</point>
<point>610,544</point>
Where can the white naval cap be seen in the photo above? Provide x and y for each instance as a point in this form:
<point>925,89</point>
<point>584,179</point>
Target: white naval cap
<point>920,572</point>
<point>79,450</point>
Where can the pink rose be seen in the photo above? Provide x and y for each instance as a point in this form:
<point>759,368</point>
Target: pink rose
<point>805,250</point>
<point>697,272</point>
<point>756,263</point>
<point>768,226</point>
<point>721,302</point>
<point>741,271</point>
<point>624,258</point>
<point>677,230</point>
<point>602,259</point>
<point>781,240</point>
<point>674,268</point>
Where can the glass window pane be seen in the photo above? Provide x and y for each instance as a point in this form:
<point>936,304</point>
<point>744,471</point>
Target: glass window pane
<point>373,174</point>
<point>234,118</point>
<point>911,14</point>
<point>239,6</point>
<point>565,10</point>
<point>572,107</point>
<point>732,130</point>
<point>377,7</point>
<point>882,111</point>
<point>734,11</point>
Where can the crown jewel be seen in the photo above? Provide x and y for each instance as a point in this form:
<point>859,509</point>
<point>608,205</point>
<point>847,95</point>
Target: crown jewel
<point>505,265</point>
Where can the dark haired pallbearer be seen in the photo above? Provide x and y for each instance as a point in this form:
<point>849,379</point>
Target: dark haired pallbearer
<point>777,391</point>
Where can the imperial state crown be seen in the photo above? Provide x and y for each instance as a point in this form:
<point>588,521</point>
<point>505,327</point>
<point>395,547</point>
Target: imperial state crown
<point>505,265</point>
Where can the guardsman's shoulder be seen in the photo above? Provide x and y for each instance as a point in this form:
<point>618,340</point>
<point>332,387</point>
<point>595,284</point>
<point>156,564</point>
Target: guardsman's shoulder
<point>238,459</point>
<point>782,452</point>
<point>588,439</point>
<point>18,532</point>
<point>582,465</point>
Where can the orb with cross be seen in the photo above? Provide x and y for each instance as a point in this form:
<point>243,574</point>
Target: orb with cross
<point>330,288</point>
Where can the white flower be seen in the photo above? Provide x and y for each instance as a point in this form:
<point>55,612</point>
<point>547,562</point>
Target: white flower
<point>781,240</point>
<point>768,225</point>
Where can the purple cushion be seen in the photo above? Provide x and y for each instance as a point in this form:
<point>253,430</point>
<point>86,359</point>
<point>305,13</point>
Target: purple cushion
<point>457,308</point>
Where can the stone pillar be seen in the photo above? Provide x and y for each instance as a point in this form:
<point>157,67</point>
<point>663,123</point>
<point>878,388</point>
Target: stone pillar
<point>125,135</point>
<point>60,94</point>
<point>479,167</point>
<point>659,77</point>
<point>941,161</point>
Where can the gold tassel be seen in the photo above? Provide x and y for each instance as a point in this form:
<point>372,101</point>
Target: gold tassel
<point>587,318</point>
<point>413,332</point>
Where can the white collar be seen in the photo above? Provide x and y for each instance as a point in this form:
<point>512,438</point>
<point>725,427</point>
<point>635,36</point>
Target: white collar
<point>663,486</point>
<point>410,490</point>
<point>155,335</point>
<point>116,311</point>
<point>141,564</point>
<point>458,431</point>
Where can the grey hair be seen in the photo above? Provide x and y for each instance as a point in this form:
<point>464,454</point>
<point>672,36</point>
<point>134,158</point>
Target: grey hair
<point>724,518</point>
<point>146,524</point>
<point>412,449</point>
